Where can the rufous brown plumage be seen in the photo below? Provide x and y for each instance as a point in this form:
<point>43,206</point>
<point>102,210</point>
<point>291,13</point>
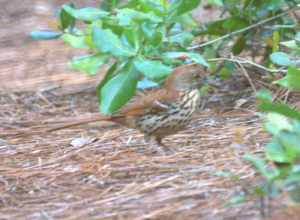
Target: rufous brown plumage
<point>158,112</point>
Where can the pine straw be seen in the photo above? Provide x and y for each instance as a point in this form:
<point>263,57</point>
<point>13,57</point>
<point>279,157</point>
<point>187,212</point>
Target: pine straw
<point>117,176</point>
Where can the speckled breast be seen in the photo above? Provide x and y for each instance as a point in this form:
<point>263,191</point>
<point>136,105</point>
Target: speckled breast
<point>175,118</point>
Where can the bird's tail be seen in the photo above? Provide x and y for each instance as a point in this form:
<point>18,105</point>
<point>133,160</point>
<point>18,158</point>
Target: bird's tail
<point>67,124</point>
<point>46,127</point>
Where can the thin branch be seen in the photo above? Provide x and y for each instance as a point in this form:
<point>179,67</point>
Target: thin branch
<point>286,96</point>
<point>244,61</point>
<point>243,29</point>
<point>244,71</point>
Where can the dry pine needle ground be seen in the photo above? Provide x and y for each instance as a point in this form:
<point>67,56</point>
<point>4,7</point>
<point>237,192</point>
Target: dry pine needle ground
<point>102,171</point>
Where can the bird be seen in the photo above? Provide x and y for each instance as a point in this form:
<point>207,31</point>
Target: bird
<point>159,112</point>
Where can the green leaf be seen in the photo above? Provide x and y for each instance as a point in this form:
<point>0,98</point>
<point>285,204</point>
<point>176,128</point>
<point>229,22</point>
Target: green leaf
<point>264,95</point>
<point>185,20</point>
<point>88,64</point>
<point>296,126</point>
<point>195,57</point>
<point>74,41</point>
<point>275,41</point>
<point>261,166</point>
<point>295,192</point>
<point>297,37</point>
<point>215,28</point>
<point>152,69</point>
<point>112,24</point>
<point>216,2</point>
<point>294,176</point>
<point>152,33</point>
<point>118,90</point>
<point>157,7</point>
<point>131,36</point>
<point>108,75</point>
<point>291,80</point>
<point>226,25</point>
<point>179,7</point>
<point>281,59</point>
<point>127,16</point>
<point>88,35</point>
<point>85,14</point>
<point>290,44</point>
<point>146,84</point>
<point>108,5</point>
<point>209,53</point>
<point>225,73</point>
<point>283,109</point>
<point>45,35</point>
<point>66,20</point>
<point>234,23</point>
<point>183,39</point>
<point>276,153</point>
<point>276,123</point>
<point>291,143</point>
<point>272,5</point>
<point>239,45</point>
<point>108,42</point>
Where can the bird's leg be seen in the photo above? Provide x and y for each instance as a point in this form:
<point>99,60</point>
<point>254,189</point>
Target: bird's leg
<point>165,148</point>
<point>147,139</point>
<point>158,141</point>
<point>160,147</point>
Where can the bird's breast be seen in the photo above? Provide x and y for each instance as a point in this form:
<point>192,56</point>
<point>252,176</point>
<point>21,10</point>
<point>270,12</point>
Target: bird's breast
<point>173,119</point>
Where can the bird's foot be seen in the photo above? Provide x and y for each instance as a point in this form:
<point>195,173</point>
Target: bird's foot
<point>162,148</point>
<point>157,146</point>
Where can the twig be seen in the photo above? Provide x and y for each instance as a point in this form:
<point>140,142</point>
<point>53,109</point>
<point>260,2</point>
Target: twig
<point>244,61</point>
<point>244,71</point>
<point>278,94</point>
<point>243,29</point>
<point>286,96</point>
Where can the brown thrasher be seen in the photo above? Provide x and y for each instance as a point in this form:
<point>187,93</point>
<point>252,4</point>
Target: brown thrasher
<point>159,112</point>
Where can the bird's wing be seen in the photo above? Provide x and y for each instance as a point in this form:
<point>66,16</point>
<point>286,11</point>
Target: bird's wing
<point>151,102</point>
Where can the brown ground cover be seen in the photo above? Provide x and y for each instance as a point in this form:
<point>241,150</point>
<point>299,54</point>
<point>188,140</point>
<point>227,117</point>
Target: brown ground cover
<point>104,171</point>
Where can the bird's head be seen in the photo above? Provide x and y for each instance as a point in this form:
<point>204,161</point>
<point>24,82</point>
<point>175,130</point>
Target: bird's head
<point>186,77</point>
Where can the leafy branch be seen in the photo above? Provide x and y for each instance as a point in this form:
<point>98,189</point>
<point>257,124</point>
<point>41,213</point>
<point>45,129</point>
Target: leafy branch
<point>125,37</point>
<point>240,31</point>
<point>240,60</point>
